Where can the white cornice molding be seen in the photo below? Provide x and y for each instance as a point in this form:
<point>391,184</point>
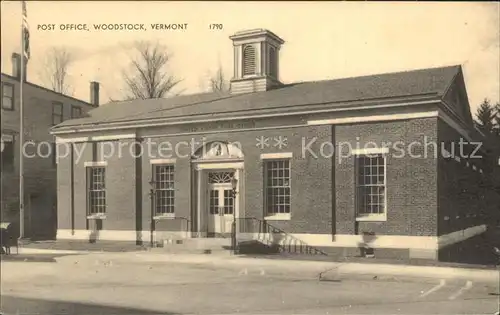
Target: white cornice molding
<point>453,122</point>
<point>97,138</point>
<point>71,140</point>
<point>92,164</point>
<point>163,161</point>
<point>279,155</point>
<point>131,125</point>
<point>373,118</point>
<point>112,137</point>
<point>368,151</point>
<point>441,114</point>
<point>222,165</point>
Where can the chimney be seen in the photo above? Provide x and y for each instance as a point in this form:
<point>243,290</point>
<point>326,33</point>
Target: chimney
<point>94,93</point>
<point>16,66</point>
<point>256,61</point>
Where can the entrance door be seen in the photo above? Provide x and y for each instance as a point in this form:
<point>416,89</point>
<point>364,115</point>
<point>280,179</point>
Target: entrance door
<point>220,207</point>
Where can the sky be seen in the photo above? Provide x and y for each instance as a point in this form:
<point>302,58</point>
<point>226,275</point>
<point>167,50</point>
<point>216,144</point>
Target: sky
<point>323,40</point>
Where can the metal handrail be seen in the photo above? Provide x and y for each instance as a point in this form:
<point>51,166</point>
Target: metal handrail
<point>295,245</point>
<point>155,221</point>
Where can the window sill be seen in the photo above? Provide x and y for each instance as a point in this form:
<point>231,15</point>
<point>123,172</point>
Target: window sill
<point>279,217</point>
<point>166,216</point>
<point>96,217</point>
<point>372,218</point>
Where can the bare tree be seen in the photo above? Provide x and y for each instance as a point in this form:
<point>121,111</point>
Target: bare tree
<point>56,64</point>
<point>149,76</point>
<point>218,82</point>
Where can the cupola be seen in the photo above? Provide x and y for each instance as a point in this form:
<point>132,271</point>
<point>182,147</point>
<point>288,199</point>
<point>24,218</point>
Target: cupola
<point>256,61</point>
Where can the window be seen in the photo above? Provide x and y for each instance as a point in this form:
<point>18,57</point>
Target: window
<point>7,152</point>
<point>164,189</point>
<point>249,60</point>
<point>277,187</point>
<point>7,96</point>
<point>273,62</point>
<point>220,177</point>
<point>57,113</point>
<point>96,185</point>
<point>370,185</point>
<point>76,112</point>
<point>228,202</point>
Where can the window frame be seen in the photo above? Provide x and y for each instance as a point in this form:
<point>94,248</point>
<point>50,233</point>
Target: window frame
<point>12,98</point>
<point>277,215</point>
<point>54,114</point>
<point>73,108</point>
<point>244,61</point>
<point>373,153</point>
<point>89,171</point>
<point>154,168</point>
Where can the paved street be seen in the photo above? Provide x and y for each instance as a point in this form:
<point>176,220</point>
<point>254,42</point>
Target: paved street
<point>96,284</point>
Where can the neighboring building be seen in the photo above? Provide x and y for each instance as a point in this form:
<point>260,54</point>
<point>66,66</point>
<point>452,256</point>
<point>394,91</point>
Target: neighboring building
<point>43,108</point>
<point>277,140</point>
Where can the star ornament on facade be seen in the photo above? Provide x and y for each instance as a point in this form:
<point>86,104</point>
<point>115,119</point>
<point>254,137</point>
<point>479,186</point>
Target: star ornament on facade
<point>280,142</point>
<point>262,142</point>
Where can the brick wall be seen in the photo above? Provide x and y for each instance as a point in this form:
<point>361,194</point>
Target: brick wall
<point>40,170</point>
<point>465,194</point>
<point>310,177</point>
<point>411,181</point>
<point>318,196</point>
<point>310,196</point>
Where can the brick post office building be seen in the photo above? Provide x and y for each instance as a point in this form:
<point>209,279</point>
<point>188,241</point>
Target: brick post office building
<point>151,170</point>
<point>43,108</point>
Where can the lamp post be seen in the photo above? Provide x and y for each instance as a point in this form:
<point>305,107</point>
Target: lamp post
<point>152,193</point>
<point>234,184</point>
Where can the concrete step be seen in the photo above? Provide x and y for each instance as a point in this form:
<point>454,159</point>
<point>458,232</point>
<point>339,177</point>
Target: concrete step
<point>195,245</point>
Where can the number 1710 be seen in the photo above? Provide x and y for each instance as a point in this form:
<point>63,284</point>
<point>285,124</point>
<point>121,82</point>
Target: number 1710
<point>215,26</point>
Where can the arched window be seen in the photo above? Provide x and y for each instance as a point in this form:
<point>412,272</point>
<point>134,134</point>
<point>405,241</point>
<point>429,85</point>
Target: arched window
<point>249,60</point>
<point>273,63</point>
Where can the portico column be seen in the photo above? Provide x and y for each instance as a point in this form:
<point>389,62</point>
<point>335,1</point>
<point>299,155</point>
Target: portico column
<point>200,198</point>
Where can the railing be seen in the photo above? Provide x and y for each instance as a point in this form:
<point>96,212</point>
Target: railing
<point>273,236</point>
<point>185,228</point>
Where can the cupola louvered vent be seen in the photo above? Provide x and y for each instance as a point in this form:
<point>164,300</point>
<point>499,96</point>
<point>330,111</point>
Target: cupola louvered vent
<point>249,63</point>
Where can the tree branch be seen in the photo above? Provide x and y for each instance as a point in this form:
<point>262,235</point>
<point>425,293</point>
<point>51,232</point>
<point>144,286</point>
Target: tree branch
<point>148,77</point>
<point>56,64</point>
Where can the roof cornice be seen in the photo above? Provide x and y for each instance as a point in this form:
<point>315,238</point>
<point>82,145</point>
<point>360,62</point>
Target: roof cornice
<point>128,125</point>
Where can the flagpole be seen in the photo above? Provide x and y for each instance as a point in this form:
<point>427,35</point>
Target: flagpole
<point>21,132</point>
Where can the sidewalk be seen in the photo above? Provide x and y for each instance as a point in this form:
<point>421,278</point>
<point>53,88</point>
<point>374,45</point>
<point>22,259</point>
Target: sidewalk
<point>327,270</point>
<point>322,270</point>
<point>31,251</point>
